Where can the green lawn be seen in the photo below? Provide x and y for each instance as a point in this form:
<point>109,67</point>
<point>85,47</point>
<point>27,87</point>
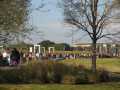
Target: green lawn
<point>108,86</point>
<point>111,64</point>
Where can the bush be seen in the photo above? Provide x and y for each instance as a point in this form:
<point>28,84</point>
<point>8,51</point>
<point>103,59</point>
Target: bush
<point>104,76</point>
<point>69,79</point>
<point>58,72</point>
<point>51,72</point>
<point>93,77</point>
<point>81,78</point>
<point>25,74</point>
<point>9,76</point>
<point>4,62</point>
<point>100,76</point>
<point>40,71</point>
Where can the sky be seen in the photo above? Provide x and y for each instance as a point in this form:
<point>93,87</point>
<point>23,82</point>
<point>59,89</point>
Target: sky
<point>50,22</point>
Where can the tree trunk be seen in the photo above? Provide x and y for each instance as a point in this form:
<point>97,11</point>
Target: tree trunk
<point>94,57</point>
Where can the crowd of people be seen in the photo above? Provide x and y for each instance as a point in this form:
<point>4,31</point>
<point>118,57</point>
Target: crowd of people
<point>66,55</point>
<point>14,57</point>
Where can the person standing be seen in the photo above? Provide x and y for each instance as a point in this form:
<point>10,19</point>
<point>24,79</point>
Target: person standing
<point>15,57</point>
<point>8,55</point>
<point>5,55</point>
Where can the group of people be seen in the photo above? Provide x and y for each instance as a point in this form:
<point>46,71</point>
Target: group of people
<point>15,57</point>
<point>69,55</point>
<point>57,56</point>
<point>10,56</point>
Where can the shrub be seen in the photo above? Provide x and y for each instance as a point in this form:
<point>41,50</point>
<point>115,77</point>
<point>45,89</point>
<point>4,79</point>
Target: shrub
<point>52,72</point>
<point>40,71</point>
<point>93,77</point>
<point>9,76</point>
<point>25,74</point>
<point>81,78</point>
<point>68,79</point>
<point>56,71</point>
<point>44,72</point>
<point>100,76</point>
<point>104,76</point>
<point>4,63</point>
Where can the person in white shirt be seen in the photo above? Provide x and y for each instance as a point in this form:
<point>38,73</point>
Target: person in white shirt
<point>4,54</point>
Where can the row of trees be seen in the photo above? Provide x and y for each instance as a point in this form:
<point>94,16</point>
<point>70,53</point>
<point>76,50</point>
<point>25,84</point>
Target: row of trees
<point>58,46</point>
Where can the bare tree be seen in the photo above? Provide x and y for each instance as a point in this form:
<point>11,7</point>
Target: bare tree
<point>90,16</point>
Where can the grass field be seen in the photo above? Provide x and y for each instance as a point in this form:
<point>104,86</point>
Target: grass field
<point>108,86</point>
<point>112,65</point>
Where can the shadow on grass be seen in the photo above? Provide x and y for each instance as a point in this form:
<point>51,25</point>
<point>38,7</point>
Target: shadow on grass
<point>115,77</point>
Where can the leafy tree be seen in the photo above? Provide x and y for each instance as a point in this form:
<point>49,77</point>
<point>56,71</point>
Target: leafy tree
<point>58,46</point>
<point>91,17</point>
<point>13,18</point>
<point>47,43</point>
<point>62,46</point>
